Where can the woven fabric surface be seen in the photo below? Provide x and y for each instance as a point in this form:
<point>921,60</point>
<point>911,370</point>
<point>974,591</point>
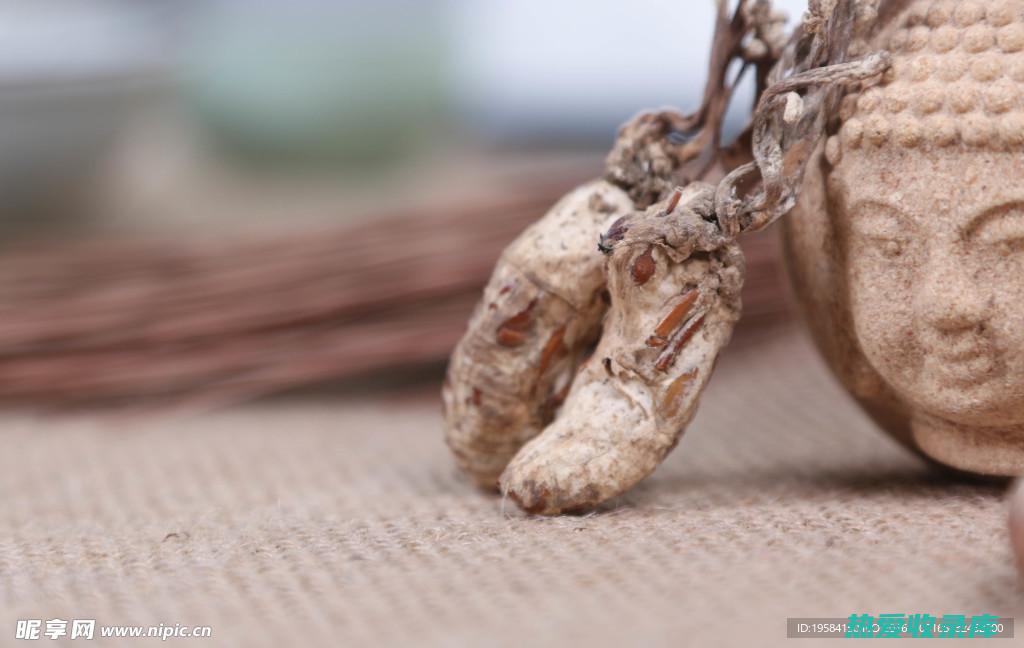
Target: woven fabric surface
<point>345,523</point>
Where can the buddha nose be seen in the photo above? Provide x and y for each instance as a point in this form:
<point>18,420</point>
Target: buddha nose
<point>950,298</point>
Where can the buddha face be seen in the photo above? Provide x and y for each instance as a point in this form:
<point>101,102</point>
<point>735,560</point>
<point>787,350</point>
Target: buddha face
<point>932,248</point>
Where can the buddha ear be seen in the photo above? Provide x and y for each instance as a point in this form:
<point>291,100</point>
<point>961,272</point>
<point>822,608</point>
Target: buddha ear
<point>850,363</point>
<point>810,234</point>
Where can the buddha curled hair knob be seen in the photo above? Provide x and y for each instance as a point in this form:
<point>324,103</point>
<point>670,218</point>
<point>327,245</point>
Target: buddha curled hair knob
<point>957,79</point>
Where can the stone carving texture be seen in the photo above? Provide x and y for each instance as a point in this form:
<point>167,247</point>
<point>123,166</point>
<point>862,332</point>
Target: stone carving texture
<point>906,249</point>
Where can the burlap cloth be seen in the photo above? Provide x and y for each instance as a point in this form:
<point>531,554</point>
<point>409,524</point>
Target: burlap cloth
<point>344,523</point>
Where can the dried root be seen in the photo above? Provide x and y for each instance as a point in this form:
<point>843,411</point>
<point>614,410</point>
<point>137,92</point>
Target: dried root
<point>675,282</point>
<point>540,312</point>
<point>673,275</point>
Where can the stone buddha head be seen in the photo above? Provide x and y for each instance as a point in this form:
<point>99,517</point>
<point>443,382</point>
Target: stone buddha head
<point>906,249</point>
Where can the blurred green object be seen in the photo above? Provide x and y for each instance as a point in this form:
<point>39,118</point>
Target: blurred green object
<point>347,81</point>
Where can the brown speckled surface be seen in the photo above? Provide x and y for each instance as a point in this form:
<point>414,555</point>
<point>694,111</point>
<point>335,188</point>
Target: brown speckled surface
<point>303,523</point>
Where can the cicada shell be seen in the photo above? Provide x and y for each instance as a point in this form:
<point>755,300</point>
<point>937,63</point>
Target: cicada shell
<point>540,312</point>
<point>675,282</point>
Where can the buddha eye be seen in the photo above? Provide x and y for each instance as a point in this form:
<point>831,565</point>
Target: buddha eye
<point>888,247</point>
<point>891,248</point>
<point>1001,227</point>
<point>882,229</point>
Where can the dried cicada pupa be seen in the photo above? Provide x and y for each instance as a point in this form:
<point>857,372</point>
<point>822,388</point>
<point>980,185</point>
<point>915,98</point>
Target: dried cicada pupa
<point>675,283</point>
<point>540,312</point>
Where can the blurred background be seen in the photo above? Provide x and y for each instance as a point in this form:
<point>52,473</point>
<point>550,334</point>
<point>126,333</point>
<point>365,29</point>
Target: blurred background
<point>203,202</point>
